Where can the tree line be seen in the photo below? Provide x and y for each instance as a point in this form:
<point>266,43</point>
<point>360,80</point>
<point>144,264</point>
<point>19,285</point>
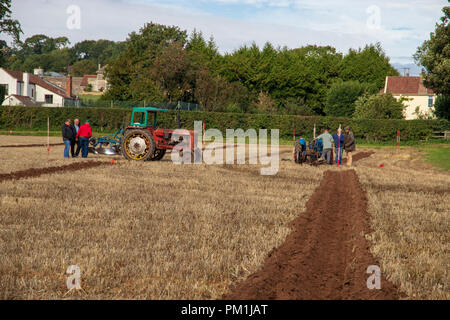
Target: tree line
<point>165,63</point>
<point>162,63</point>
<point>55,54</point>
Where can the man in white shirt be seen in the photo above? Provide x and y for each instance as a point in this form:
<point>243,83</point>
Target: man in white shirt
<point>75,128</point>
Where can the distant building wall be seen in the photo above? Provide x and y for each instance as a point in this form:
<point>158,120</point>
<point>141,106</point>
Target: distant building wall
<point>414,101</point>
<point>61,82</point>
<point>9,81</point>
<point>58,101</point>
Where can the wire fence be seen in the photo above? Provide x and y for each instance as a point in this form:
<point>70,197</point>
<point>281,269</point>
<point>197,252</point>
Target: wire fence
<point>98,103</point>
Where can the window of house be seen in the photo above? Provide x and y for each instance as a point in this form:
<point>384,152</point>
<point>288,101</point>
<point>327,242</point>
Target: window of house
<point>6,89</point>
<point>430,101</point>
<point>49,98</point>
<point>32,92</point>
<point>20,88</point>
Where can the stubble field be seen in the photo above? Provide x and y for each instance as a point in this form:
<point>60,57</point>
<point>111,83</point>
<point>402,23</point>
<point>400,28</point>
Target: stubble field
<point>162,231</point>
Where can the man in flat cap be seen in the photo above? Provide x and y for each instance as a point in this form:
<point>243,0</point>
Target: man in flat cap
<point>349,145</point>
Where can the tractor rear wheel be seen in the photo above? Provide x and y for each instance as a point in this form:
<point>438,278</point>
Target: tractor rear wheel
<point>158,155</point>
<point>298,153</point>
<point>138,145</point>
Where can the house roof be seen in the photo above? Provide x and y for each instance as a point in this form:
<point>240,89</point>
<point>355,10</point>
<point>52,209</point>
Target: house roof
<point>405,85</point>
<point>36,80</point>
<point>84,82</point>
<point>25,100</point>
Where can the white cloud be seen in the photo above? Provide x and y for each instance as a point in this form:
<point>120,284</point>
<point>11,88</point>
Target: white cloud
<point>342,24</point>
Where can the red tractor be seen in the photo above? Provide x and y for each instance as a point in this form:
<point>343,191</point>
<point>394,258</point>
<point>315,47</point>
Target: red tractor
<point>142,140</point>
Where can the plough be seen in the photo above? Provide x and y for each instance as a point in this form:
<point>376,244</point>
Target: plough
<point>310,154</point>
<point>109,145</point>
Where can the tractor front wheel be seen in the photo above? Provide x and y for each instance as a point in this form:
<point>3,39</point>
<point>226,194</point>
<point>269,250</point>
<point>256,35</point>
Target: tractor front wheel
<point>138,145</point>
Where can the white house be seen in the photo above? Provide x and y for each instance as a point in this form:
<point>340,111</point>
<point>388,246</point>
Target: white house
<point>28,89</point>
<point>419,98</point>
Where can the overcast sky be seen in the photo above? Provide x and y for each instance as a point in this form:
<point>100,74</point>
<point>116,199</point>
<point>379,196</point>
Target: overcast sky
<point>400,26</point>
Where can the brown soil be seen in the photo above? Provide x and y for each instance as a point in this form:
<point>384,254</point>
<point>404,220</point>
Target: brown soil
<point>359,156</point>
<point>31,145</point>
<point>36,172</point>
<point>326,255</point>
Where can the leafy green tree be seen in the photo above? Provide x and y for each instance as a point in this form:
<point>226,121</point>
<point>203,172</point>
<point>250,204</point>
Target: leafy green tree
<point>244,66</point>
<point>378,106</point>
<point>129,73</point>
<point>322,65</point>
<point>82,67</point>
<point>434,55</point>
<point>40,51</point>
<point>57,60</point>
<point>8,25</point>
<point>5,53</point>
<point>172,70</point>
<point>214,93</point>
<point>265,104</point>
<point>442,107</point>
<point>205,52</point>
<point>120,77</point>
<point>342,96</point>
<point>370,65</point>
<point>304,73</point>
<point>98,51</point>
<point>42,44</point>
<point>297,106</point>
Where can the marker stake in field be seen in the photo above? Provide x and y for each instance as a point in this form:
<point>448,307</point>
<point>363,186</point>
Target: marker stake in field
<point>339,146</point>
<point>293,138</point>
<point>398,141</point>
<point>48,135</point>
<point>203,136</point>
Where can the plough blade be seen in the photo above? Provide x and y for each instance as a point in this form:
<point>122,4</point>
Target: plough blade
<point>92,150</point>
<point>104,151</point>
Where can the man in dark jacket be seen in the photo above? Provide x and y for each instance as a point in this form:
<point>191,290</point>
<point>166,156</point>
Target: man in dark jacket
<point>68,136</point>
<point>349,145</point>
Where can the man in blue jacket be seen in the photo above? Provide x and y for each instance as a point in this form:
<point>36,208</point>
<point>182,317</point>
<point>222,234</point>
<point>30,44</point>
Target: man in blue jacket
<point>302,142</point>
<point>338,145</point>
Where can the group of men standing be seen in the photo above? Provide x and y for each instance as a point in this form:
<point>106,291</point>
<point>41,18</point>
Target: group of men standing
<point>341,142</point>
<point>77,136</point>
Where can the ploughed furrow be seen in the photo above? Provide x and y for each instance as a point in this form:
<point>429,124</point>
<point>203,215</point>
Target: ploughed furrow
<point>326,256</point>
<point>36,172</point>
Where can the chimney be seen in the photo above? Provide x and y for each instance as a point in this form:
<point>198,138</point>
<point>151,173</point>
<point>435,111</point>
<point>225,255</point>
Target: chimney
<point>39,72</point>
<point>26,84</point>
<point>69,85</point>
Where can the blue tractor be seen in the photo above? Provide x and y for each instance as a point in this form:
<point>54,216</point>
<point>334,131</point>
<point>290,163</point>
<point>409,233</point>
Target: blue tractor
<point>310,153</point>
